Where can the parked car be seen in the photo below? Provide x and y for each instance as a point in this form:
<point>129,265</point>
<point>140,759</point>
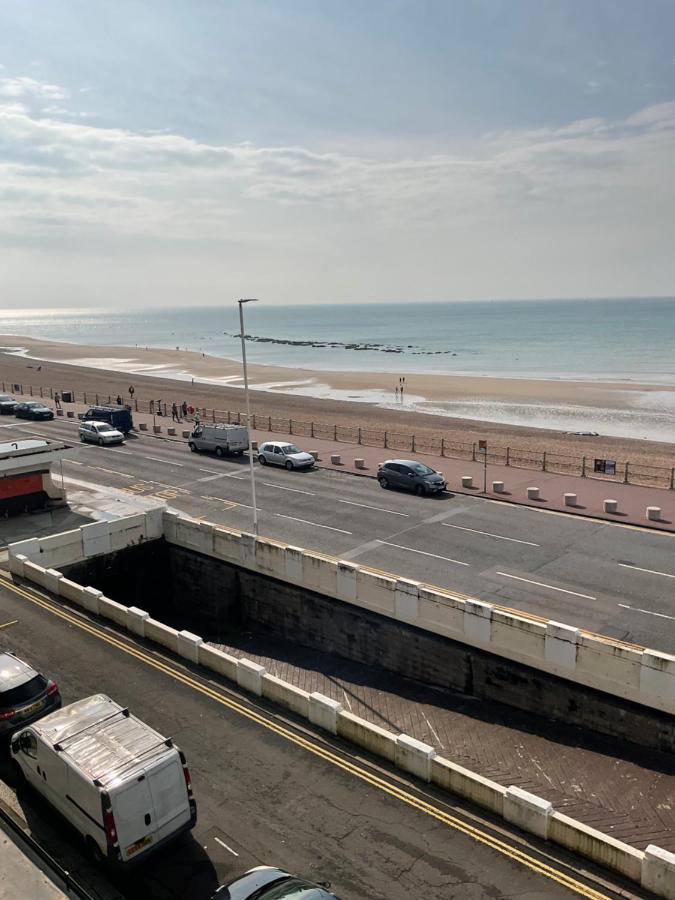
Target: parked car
<point>7,404</point>
<point>267,883</point>
<point>32,409</point>
<point>219,439</point>
<point>120,783</point>
<point>411,475</point>
<point>25,694</point>
<point>118,416</point>
<point>280,453</point>
<point>100,433</point>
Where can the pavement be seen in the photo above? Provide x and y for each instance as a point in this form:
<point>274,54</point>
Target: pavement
<point>272,791</point>
<point>21,877</point>
<point>608,578</point>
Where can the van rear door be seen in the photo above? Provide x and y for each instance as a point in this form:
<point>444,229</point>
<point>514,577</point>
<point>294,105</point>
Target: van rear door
<point>134,814</point>
<point>169,795</point>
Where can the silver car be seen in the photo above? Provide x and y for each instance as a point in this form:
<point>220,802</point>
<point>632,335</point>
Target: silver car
<point>266,882</point>
<point>100,433</point>
<point>281,453</point>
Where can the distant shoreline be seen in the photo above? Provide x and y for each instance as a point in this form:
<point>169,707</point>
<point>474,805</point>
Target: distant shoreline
<point>613,409</point>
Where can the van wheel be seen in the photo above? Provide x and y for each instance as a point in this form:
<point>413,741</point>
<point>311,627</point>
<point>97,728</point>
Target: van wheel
<point>192,447</point>
<point>94,851</point>
<point>219,451</point>
<point>289,465</point>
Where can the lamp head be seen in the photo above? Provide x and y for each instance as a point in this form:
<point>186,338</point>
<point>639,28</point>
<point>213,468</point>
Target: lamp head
<point>248,300</point>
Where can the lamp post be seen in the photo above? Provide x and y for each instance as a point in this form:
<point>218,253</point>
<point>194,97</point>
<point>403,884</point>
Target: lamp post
<point>248,409</point>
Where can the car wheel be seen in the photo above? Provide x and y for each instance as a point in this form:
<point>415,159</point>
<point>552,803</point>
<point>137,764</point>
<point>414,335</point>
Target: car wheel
<point>100,442</point>
<point>419,490</point>
<point>289,465</point>
<point>192,447</point>
<point>262,460</point>
<point>383,482</point>
<point>219,451</point>
<point>82,438</point>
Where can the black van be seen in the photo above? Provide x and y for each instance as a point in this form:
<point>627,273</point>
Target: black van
<point>117,416</point>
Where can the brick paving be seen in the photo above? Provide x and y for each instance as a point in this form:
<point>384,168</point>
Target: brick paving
<point>620,789</point>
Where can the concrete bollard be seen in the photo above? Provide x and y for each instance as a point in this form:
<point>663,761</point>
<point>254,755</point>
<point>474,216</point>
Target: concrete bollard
<point>186,433</point>
<point>359,463</point>
<point>157,429</point>
<point>654,513</point>
<point>610,506</point>
<point>59,412</point>
<point>314,453</point>
<point>533,493</point>
<point>497,487</point>
<point>70,414</point>
<point>467,481</point>
<point>570,499</point>
<point>171,431</point>
<point>254,445</point>
<point>336,459</point>
<point>143,426</point>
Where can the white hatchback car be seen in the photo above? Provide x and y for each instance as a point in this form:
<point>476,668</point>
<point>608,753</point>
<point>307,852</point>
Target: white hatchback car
<point>281,453</point>
<point>100,433</point>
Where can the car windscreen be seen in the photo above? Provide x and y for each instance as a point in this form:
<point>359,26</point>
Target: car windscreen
<point>105,427</point>
<point>421,469</point>
<point>291,889</point>
<point>23,692</point>
<point>290,448</point>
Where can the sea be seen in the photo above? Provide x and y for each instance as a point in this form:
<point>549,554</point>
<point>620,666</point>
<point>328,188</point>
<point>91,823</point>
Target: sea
<point>609,340</point>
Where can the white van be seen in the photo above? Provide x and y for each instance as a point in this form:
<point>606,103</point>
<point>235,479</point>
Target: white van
<point>123,786</point>
<point>219,439</point>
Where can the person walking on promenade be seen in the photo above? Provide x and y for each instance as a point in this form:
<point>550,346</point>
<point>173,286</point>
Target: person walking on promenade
<point>184,408</point>
<point>119,400</point>
<point>57,400</point>
<point>174,412</point>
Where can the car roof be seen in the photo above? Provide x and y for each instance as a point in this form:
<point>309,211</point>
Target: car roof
<point>96,422</point>
<point>14,672</point>
<point>403,462</point>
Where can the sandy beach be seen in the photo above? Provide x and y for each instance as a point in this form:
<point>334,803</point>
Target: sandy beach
<point>343,397</point>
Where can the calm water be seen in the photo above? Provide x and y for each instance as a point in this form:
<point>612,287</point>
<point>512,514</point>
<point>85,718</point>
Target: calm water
<point>627,340</point>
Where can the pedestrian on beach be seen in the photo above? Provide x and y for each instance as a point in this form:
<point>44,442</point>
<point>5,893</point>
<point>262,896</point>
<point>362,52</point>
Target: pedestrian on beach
<point>396,391</point>
<point>57,400</point>
<point>174,412</point>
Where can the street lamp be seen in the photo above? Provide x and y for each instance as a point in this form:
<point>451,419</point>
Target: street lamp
<point>248,409</point>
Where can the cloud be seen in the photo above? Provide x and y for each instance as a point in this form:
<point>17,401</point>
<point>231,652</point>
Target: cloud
<point>23,86</point>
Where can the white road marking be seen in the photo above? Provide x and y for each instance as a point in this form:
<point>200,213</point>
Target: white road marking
<point>210,471</point>
<point>549,587</point>
<point>223,844</point>
<point>110,471</point>
<point>167,461</point>
<point>73,462</point>
<point>500,537</point>
<point>216,475</point>
<point>377,508</point>
<point>649,571</point>
<point>315,524</point>
<point>117,450</point>
<point>646,611</point>
<point>282,488</point>
<point>424,553</point>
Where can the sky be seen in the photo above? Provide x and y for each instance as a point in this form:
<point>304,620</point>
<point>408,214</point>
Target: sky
<point>155,152</point>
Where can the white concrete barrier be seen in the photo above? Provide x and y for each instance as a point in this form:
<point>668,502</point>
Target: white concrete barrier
<point>570,499</point>
<point>218,661</point>
<point>414,756</point>
<point>464,783</point>
<point>467,481</point>
<point>16,561</point>
<point>315,454</point>
<point>324,712</point>
<point>188,645</point>
<point>610,506</point>
<point>658,872</point>
<point>285,694</point>
<point>593,844</point>
<point>533,493</point>
<point>654,513</point>
<point>95,538</point>
<point>91,599</point>
<point>527,811</point>
<point>367,735</point>
<point>136,620</point>
<point>113,610</point>
<point>497,487</point>
<point>250,675</point>
<point>406,600</point>
<point>477,623</point>
<point>161,634</point>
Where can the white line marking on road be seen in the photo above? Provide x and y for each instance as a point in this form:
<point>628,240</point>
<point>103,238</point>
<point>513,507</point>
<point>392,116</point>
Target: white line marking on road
<point>315,524</point>
<point>73,462</point>
<point>210,471</point>
<point>550,587</point>
<point>282,488</point>
<point>433,731</point>
<point>223,844</point>
<point>377,508</point>
<point>646,611</point>
<point>167,461</point>
<point>215,475</point>
<point>110,471</point>
<point>117,450</point>
<point>500,537</point>
<point>424,553</point>
<point>649,571</point>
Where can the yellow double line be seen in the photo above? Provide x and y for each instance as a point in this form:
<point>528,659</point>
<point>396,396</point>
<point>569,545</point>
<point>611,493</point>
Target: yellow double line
<point>483,837</point>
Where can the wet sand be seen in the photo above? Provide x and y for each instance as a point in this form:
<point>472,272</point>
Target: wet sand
<point>167,374</point>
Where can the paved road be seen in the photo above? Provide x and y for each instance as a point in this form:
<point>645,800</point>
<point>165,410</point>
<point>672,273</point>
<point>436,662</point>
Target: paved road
<point>269,791</point>
<point>609,578</point>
